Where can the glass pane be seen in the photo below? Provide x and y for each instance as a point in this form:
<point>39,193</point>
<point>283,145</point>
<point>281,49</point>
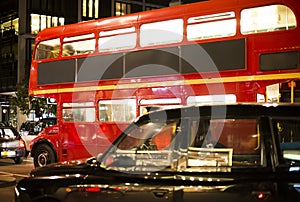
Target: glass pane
<point>96,8</point>
<point>47,49</point>
<point>90,8</point>
<point>9,134</point>
<point>79,47</point>
<point>35,23</point>
<point>212,17</point>
<point>54,21</point>
<point>209,30</point>
<point>117,42</point>
<point>48,21</point>
<point>79,115</point>
<point>267,19</point>
<point>164,32</point>
<point>43,22</point>
<point>212,99</point>
<point>61,21</point>
<point>116,31</point>
<point>78,104</point>
<point>84,8</point>
<point>147,148</point>
<point>288,133</point>
<point>117,110</point>
<point>188,145</point>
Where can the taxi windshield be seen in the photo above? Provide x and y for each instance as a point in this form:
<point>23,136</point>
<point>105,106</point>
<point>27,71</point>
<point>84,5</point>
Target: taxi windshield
<point>143,148</point>
<point>187,144</point>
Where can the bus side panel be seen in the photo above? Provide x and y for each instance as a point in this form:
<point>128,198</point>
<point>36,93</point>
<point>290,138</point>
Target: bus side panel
<point>83,140</point>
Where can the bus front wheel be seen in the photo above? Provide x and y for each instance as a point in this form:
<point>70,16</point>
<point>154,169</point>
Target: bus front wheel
<point>43,156</point>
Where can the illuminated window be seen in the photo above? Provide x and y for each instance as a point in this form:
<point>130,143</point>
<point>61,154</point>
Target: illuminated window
<point>48,21</point>
<point>117,39</point>
<point>40,22</point>
<point>43,22</point>
<point>84,8</point>
<point>155,104</point>
<point>48,49</point>
<point>77,45</point>
<point>163,32</point>
<point>117,110</point>
<point>90,8</point>
<point>78,112</point>
<point>267,19</point>
<point>10,26</point>
<point>211,26</point>
<point>122,8</point>
<point>212,99</point>
<point>96,8</point>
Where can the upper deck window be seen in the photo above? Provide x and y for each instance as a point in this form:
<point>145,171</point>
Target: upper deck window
<point>118,39</point>
<point>267,19</point>
<point>77,45</point>
<point>164,32</point>
<point>47,49</point>
<point>211,26</point>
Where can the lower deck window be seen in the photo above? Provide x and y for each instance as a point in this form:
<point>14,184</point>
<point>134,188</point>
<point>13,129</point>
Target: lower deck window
<point>78,112</point>
<point>117,110</point>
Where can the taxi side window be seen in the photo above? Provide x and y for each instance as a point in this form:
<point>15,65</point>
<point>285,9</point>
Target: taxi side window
<point>287,133</point>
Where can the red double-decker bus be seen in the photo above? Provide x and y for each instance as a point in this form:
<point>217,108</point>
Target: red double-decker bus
<point>104,73</point>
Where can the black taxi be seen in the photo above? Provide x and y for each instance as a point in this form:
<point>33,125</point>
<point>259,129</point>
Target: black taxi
<point>241,152</point>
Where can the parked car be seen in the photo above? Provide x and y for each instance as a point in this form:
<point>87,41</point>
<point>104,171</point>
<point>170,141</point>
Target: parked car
<point>208,153</point>
<point>30,129</point>
<point>11,144</point>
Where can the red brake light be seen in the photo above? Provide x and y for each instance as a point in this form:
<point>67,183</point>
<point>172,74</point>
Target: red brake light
<point>92,189</point>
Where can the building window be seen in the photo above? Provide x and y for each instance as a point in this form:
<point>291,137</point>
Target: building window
<point>122,8</point>
<point>90,8</point>
<point>10,27</point>
<point>84,7</point>
<point>40,22</point>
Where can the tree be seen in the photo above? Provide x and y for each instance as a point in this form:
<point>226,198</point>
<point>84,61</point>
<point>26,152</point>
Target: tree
<point>28,103</point>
